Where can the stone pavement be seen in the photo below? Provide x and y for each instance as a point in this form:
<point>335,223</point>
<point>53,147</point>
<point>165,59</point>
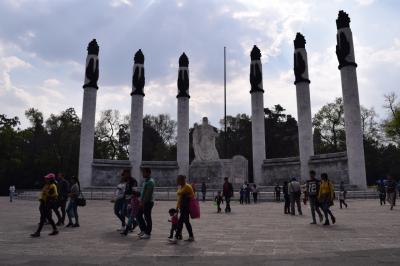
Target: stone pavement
<point>365,234</point>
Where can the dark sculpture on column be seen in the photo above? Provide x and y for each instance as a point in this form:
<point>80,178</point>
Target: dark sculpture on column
<point>138,79</point>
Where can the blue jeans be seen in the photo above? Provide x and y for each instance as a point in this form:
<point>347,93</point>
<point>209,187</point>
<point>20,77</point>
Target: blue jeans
<point>144,218</point>
<point>119,210</point>
<point>72,211</point>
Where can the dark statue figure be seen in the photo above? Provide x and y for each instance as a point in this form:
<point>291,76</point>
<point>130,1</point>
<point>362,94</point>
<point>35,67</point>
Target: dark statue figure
<point>299,62</point>
<point>183,77</point>
<point>343,50</point>
<point>299,68</point>
<point>343,46</point>
<point>343,20</point>
<point>138,79</point>
<point>92,68</point>
<point>299,41</point>
<point>255,71</point>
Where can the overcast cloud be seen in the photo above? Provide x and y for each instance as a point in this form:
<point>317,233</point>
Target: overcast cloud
<point>43,49</point>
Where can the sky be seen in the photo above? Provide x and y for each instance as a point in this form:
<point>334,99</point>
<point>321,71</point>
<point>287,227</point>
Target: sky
<point>43,50</point>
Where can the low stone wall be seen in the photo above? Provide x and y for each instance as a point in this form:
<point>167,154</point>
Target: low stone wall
<point>108,172</point>
<point>213,172</point>
<point>282,169</point>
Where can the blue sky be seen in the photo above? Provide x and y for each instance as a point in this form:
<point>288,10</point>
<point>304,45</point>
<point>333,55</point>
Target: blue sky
<point>43,49</point>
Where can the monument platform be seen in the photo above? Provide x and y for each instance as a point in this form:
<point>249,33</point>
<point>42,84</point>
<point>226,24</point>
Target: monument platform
<point>365,234</point>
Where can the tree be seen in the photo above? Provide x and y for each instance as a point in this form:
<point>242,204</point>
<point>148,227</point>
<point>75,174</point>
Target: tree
<point>106,132</point>
<point>281,133</point>
<point>329,121</point>
<point>164,125</point>
<point>391,125</point>
<point>64,135</point>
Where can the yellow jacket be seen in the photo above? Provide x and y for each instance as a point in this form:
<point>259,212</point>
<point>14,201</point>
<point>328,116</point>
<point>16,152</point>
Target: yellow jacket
<point>326,187</point>
<point>49,191</point>
<point>186,189</point>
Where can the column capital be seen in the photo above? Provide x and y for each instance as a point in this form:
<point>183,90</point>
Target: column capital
<point>344,39</point>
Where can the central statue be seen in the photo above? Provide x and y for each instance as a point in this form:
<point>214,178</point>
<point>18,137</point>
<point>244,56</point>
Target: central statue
<point>204,142</point>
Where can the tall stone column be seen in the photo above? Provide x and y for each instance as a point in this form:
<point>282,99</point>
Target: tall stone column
<point>351,102</point>
<point>136,123</point>
<point>306,146</point>
<point>183,116</point>
<point>86,147</point>
<point>257,114</point>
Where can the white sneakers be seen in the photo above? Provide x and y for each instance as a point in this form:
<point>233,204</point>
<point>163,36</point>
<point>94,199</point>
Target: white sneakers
<point>144,236</point>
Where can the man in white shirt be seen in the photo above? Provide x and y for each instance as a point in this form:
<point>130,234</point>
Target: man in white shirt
<point>295,195</point>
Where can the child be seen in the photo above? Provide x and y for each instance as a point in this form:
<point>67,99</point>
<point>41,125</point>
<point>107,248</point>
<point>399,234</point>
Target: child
<point>342,195</point>
<point>218,199</point>
<point>134,208</point>
<point>174,221</point>
<point>241,200</point>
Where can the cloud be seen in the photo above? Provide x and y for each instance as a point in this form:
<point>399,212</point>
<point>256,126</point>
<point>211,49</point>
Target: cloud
<point>43,51</point>
<point>119,3</point>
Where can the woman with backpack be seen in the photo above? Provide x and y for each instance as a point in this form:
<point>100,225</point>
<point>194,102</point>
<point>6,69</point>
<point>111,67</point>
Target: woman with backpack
<point>72,208</point>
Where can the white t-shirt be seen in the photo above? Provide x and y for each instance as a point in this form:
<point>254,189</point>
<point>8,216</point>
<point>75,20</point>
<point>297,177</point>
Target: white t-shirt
<point>120,191</point>
<point>12,189</point>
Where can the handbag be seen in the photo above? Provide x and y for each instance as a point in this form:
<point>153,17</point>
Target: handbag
<point>80,200</point>
<point>194,208</point>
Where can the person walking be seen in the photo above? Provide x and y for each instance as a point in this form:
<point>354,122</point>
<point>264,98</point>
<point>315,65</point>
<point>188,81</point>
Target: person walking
<point>119,202</point>
<point>219,200</point>
<point>72,208</point>
<point>11,190</point>
<point>311,195</point>
<point>326,196</point>
<point>185,194</point>
<point>63,191</point>
<point>342,195</point>
<point>255,193</point>
<point>277,192</point>
<point>241,194</point>
<point>134,203</point>
<point>131,185</point>
<point>286,197</point>
<point>47,199</point>
<point>391,191</point>
<point>146,205</point>
<point>382,192</point>
<point>227,192</point>
<point>204,190</point>
<point>295,195</point>
<point>247,191</point>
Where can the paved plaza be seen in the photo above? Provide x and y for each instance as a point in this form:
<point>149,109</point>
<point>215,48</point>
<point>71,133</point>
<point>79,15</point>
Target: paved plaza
<point>365,234</point>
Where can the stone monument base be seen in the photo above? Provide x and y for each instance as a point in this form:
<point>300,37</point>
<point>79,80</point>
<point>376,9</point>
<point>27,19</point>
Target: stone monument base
<point>108,172</point>
<point>278,170</point>
<point>213,172</point>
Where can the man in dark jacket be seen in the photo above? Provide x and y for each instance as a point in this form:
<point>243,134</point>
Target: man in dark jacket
<point>228,194</point>
<point>312,195</point>
<point>63,191</point>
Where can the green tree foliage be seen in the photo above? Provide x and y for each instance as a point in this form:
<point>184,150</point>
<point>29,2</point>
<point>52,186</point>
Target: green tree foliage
<point>329,123</point>
<point>392,124</point>
<point>381,158</point>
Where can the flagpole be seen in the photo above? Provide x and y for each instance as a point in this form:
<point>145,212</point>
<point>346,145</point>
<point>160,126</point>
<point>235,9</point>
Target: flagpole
<point>225,140</point>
